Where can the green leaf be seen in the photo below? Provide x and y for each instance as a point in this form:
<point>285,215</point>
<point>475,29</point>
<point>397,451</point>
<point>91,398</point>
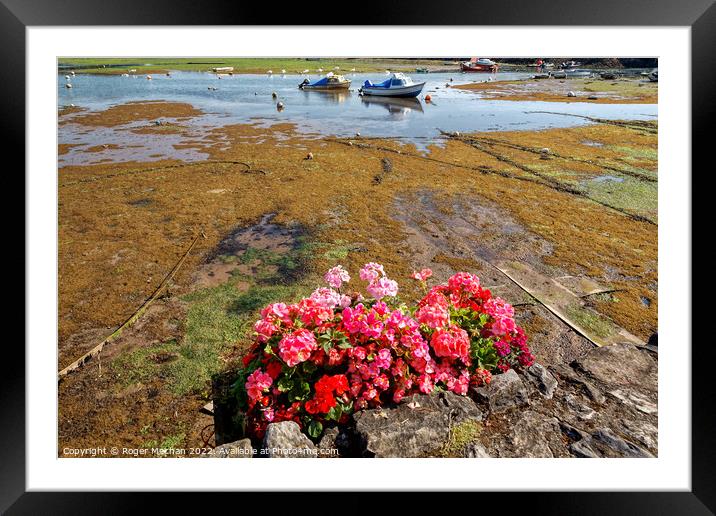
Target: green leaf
<point>308,367</point>
<point>285,384</point>
<point>315,429</point>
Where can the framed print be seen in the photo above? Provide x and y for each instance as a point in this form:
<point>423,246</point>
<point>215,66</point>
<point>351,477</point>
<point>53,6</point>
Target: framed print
<point>359,242</point>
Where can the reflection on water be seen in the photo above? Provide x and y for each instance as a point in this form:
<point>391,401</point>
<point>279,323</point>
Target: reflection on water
<point>395,106</point>
<point>232,99</point>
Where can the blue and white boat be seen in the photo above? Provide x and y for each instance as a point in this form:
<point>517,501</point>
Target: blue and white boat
<point>398,85</point>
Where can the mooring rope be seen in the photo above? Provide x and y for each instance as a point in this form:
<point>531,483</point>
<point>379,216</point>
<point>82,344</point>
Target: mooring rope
<point>134,317</point>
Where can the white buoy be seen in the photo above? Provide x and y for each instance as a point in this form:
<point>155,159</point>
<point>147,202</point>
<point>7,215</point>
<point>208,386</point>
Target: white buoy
<point>67,77</point>
<point>270,72</point>
<point>72,72</point>
<point>273,94</point>
<point>68,85</point>
<point>149,77</point>
<point>279,106</point>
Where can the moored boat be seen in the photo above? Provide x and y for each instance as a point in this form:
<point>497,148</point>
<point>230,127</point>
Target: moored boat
<point>398,85</point>
<point>481,64</point>
<point>654,75</point>
<point>330,82</point>
<point>421,70</point>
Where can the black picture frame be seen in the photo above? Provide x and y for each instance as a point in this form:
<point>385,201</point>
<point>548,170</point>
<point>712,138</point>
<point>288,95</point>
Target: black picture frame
<point>16,15</point>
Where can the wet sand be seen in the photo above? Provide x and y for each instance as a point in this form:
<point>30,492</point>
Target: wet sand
<point>602,91</point>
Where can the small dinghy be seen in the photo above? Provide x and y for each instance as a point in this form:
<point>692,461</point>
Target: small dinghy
<point>481,64</point>
<point>398,85</point>
<point>329,82</point>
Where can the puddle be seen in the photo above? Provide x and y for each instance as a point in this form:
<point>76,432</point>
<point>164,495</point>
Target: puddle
<point>243,250</point>
<point>590,143</point>
<point>607,179</point>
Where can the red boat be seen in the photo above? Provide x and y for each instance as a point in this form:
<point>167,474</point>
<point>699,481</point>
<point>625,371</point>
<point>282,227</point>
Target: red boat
<point>481,64</point>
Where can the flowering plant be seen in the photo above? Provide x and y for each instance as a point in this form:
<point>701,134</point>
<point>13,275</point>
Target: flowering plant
<point>317,361</point>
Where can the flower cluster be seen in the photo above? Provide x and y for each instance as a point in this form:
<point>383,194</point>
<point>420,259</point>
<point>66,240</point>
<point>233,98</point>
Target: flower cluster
<point>318,360</point>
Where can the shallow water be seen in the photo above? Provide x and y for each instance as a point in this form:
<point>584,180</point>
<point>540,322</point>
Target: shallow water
<point>248,99</point>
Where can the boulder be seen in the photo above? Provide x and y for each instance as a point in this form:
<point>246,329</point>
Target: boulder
<point>420,424</point>
<point>476,450</point>
<point>285,440</point>
<point>581,410</point>
<point>619,364</point>
<point>542,379</point>
<point>611,445</point>
<point>237,450</point>
<point>506,391</point>
<point>532,435</point>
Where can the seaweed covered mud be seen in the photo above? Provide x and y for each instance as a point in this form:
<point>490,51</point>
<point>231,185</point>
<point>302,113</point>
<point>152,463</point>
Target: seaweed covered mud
<point>271,208</point>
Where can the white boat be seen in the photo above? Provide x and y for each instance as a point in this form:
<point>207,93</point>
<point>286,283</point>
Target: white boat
<point>398,85</point>
<point>329,82</point>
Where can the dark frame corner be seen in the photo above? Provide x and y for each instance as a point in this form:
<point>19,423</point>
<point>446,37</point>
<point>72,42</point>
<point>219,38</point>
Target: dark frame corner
<point>700,15</point>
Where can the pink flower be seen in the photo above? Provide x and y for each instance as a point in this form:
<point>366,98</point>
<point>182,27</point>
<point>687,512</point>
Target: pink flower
<point>336,276</point>
<point>297,347</point>
<point>422,275</point>
<point>453,343</point>
<point>264,330</point>
<point>383,287</point>
<point>425,384</point>
<point>277,312</point>
<point>327,297</point>
<point>433,316</point>
<point>257,383</point>
<point>384,358</point>
<point>464,282</point>
<point>371,271</point>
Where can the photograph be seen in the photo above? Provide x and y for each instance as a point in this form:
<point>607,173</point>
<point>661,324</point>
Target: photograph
<point>357,257</point>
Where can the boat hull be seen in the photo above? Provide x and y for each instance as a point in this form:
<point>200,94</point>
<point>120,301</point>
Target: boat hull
<point>474,67</point>
<point>328,87</point>
<point>402,92</point>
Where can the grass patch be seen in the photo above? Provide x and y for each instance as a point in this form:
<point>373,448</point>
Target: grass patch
<point>590,321</point>
<point>633,195</point>
<point>461,435</point>
<point>168,443</point>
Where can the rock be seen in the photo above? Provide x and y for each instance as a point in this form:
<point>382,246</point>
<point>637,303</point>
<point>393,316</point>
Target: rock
<point>620,364</point>
<point>237,450</point>
<point>641,431</point>
<point>573,376</point>
<point>476,451</point>
<point>532,435</point>
<point>285,440</point>
<point>636,400</point>
<point>614,445</point>
<point>505,391</point>
<point>582,449</point>
<point>328,446</point>
<point>420,424</point>
<point>542,379</point>
<point>582,411</point>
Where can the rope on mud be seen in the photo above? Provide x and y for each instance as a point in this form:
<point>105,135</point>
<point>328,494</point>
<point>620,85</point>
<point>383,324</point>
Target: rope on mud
<point>637,175</point>
<point>129,172</point>
<point>553,183</point>
<point>135,316</point>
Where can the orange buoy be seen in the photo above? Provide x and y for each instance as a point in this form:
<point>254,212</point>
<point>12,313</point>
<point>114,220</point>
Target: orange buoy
<point>428,98</point>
